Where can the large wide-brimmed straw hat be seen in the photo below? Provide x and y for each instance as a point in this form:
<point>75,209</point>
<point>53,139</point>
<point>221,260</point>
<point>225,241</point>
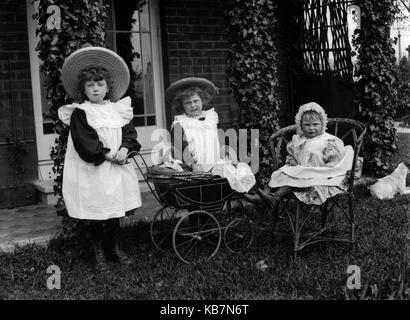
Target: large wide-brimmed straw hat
<point>186,83</point>
<point>96,57</point>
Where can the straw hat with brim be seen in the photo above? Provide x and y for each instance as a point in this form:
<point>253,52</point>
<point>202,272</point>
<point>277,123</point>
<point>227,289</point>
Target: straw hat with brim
<point>96,57</point>
<point>186,83</point>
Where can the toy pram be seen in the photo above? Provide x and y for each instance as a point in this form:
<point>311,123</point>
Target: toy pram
<point>195,213</point>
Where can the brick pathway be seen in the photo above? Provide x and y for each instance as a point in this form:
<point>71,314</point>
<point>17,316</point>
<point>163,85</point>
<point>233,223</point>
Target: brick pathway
<point>39,223</point>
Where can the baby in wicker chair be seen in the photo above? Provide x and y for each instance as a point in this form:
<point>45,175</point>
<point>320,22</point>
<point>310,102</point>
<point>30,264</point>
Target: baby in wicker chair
<point>316,163</point>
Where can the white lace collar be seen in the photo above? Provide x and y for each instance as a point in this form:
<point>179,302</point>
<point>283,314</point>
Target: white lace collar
<point>201,116</point>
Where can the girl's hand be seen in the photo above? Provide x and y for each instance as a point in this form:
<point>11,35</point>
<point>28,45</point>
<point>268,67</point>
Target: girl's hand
<point>109,157</point>
<point>196,167</point>
<point>121,155</point>
<point>292,162</point>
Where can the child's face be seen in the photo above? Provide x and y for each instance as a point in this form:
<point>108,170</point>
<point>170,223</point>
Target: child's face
<point>192,105</point>
<point>96,90</point>
<point>311,125</point>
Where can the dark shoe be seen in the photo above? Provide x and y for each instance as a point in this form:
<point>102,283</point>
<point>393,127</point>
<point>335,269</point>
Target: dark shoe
<point>283,191</point>
<point>113,235</point>
<point>100,262</point>
<point>269,199</point>
<point>120,256</point>
<point>255,199</point>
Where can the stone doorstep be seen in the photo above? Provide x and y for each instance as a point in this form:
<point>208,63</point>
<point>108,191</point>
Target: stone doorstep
<point>46,191</point>
<point>10,246</point>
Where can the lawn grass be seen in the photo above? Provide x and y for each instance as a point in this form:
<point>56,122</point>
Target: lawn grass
<point>319,272</point>
<point>403,152</point>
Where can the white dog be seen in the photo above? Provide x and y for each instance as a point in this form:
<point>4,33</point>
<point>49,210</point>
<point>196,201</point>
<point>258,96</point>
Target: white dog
<point>389,186</point>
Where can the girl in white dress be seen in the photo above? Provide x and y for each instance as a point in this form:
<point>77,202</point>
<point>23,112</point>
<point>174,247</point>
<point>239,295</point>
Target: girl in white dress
<point>194,133</point>
<point>98,186</point>
<point>316,164</point>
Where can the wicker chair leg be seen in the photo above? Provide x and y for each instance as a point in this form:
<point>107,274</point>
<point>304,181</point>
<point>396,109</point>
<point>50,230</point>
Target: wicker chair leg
<point>275,228</point>
<point>324,215</point>
<point>275,221</point>
<point>352,219</point>
<point>296,236</point>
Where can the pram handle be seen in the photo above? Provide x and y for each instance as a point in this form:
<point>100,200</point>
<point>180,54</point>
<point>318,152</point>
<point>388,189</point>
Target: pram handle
<point>153,190</point>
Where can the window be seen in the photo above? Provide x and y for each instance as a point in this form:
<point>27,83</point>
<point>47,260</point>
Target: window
<point>128,33</point>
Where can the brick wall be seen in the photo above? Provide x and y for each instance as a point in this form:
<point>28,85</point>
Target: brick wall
<point>194,44</point>
<point>16,105</point>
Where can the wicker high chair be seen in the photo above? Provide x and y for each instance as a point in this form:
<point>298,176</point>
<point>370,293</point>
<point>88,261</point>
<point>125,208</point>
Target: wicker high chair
<point>301,215</point>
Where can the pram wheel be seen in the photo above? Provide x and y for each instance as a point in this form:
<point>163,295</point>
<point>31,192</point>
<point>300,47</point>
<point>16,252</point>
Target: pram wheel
<point>196,237</point>
<point>161,228</point>
<point>238,235</point>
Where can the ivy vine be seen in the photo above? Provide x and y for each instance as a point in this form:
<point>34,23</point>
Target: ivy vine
<point>252,70</point>
<point>376,92</point>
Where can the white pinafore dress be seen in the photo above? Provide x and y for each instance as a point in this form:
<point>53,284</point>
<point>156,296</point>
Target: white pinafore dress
<point>203,145</point>
<point>108,190</point>
<point>202,137</point>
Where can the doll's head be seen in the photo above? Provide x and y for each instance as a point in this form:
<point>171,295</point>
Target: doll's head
<point>311,120</point>
<point>191,101</point>
<point>94,85</point>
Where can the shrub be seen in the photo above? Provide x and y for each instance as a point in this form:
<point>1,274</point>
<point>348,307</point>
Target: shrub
<point>252,71</point>
<point>403,88</point>
<point>376,94</point>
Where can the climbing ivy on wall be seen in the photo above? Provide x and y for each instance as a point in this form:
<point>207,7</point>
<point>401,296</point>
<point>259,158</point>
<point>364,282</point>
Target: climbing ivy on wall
<point>376,93</point>
<point>252,70</point>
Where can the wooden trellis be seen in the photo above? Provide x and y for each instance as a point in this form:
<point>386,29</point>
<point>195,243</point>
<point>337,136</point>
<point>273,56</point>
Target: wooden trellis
<point>325,42</point>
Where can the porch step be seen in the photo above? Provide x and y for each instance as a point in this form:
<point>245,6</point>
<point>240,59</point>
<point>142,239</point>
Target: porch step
<point>45,189</point>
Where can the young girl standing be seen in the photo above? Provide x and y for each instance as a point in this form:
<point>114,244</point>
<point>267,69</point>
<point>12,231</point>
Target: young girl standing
<point>98,186</point>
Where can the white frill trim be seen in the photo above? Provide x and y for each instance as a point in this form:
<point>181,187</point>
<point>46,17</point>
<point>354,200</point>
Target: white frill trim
<point>210,115</point>
<point>64,112</point>
<point>123,107</point>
